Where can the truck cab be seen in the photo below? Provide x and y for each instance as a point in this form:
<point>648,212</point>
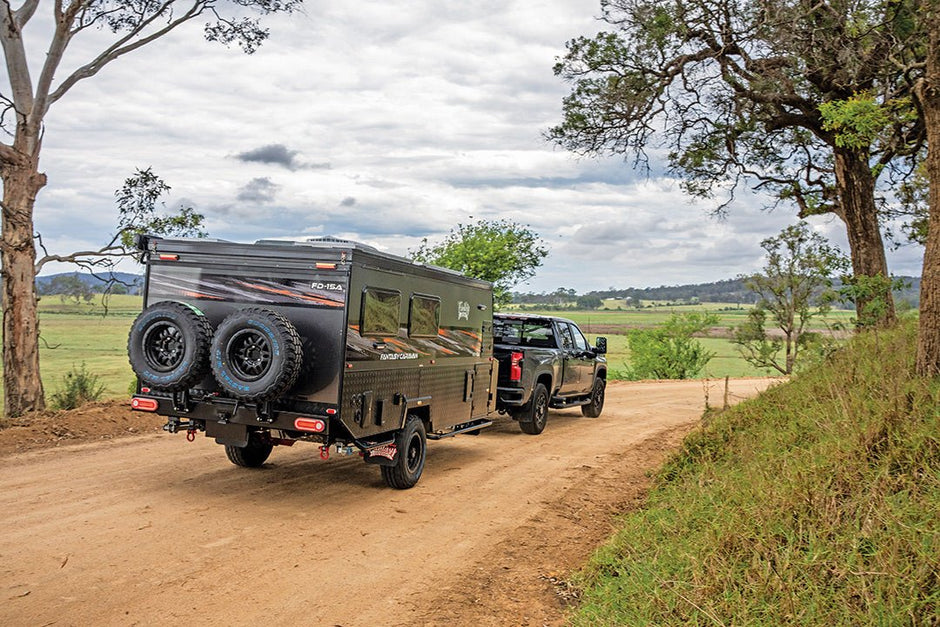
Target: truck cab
<point>546,362</point>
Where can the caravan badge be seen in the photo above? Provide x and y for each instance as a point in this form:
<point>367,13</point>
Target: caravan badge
<point>463,310</point>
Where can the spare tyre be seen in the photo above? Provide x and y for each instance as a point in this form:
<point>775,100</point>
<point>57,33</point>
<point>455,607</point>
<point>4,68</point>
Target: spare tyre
<point>168,346</point>
<point>256,354</point>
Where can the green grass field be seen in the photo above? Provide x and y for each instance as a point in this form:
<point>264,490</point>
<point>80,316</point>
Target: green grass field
<point>728,314</point>
<point>726,362</point>
<point>74,333</point>
<point>71,334</point>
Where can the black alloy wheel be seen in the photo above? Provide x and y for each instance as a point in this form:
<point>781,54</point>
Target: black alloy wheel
<point>163,346</point>
<point>249,353</point>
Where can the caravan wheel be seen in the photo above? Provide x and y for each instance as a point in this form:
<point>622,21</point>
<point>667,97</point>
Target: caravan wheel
<point>412,447</point>
<point>168,346</point>
<point>256,354</point>
<point>252,455</point>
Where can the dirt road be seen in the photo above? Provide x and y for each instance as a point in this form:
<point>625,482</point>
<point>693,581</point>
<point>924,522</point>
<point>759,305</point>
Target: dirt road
<point>150,529</point>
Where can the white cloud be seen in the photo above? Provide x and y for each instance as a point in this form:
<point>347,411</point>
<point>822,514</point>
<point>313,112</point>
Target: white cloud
<point>385,122</point>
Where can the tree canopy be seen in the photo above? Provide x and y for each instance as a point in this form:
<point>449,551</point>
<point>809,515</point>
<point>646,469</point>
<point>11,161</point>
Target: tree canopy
<point>35,84</point>
<point>794,286</point>
<point>502,252</point>
<point>809,100</point>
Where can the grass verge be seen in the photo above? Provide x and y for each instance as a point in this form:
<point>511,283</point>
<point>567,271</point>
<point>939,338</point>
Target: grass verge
<point>815,504</point>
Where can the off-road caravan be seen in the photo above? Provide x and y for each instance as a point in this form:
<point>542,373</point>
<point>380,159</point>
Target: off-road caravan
<point>326,341</point>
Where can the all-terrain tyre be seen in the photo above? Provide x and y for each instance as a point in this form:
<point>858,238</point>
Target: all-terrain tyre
<point>168,346</point>
<point>596,406</point>
<point>534,415</point>
<point>412,444</point>
<point>256,354</point>
<point>252,455</point>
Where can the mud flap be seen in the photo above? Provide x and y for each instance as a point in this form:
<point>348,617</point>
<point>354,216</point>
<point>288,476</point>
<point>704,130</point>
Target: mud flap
<point>227,433</point>
<point>385,455</point>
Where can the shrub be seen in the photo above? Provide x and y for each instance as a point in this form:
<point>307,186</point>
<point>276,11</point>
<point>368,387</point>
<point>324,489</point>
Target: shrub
<point>669,351</point>
<point>78,387</point>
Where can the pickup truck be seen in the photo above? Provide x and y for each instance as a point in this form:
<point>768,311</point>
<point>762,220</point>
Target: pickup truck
<point>546,362</point>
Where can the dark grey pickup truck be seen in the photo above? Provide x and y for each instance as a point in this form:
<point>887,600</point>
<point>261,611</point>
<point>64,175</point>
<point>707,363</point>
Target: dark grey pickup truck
<point>546,362</point>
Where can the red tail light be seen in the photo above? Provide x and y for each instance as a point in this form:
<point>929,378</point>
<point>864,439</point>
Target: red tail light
<point>515,367</point>
<point>310,424</point>
<point>144,404</point>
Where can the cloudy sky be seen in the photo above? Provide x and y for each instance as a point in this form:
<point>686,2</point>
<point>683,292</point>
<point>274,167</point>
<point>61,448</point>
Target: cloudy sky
<point>386,122</point>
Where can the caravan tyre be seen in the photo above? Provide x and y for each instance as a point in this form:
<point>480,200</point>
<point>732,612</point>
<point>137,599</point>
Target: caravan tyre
<point>256,354</point>
<point>168,346</point>
<point>412,444</point>
<point>252,455</point>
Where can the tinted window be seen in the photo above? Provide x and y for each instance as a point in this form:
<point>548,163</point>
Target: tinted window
<point>425,319</point>
<point>380,312</point>
<point>579,340</point>
<point>507,332</point>
<point>529,333</point>
<point>566,341</point>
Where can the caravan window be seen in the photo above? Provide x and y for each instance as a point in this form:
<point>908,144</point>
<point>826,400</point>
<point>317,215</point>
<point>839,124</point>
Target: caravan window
<point>425,318</point>
<point>380,312</point>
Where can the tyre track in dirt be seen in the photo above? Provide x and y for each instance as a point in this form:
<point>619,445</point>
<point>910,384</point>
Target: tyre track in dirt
<point>151,529</point>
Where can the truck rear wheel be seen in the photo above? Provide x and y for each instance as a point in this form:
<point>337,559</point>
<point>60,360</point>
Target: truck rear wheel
<point>168,346</point>
<point>256,354</point>
<point>252,455</point>
<point>596,406</point>
<point>412,447</point>
<point>533,417</point>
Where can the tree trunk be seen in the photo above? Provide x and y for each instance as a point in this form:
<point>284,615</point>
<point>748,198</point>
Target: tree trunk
<point>856,189</point>
<point>928,93</point>
<point>22,385</point>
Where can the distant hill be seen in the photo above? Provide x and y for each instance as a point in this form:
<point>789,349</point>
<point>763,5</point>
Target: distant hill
<point>57,283</point>
<point>728,291</point>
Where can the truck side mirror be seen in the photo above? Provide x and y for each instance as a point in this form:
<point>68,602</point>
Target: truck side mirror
<point>601,347</point>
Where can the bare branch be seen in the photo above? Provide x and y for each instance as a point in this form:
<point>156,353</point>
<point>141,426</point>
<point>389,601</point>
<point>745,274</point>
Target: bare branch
<point>25,12</point>
<point>14,51</point>
<point>127,44</point>
<point>84,258</point>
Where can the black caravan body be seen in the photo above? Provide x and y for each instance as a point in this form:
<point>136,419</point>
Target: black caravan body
<point>323,340</point>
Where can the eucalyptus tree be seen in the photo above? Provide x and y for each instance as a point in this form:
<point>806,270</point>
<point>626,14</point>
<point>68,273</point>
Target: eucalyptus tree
<point>35,85</point>
<point>809,101</point>
<point>927,93</point>
<point>794,285</point>
<point>503,252</point>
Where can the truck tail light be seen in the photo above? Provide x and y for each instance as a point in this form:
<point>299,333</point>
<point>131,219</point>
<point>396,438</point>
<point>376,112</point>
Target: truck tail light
<point>144,404</point>
<point>515,367</point>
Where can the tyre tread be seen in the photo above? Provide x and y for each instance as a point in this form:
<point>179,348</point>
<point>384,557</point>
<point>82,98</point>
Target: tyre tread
<point>290,366</point>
